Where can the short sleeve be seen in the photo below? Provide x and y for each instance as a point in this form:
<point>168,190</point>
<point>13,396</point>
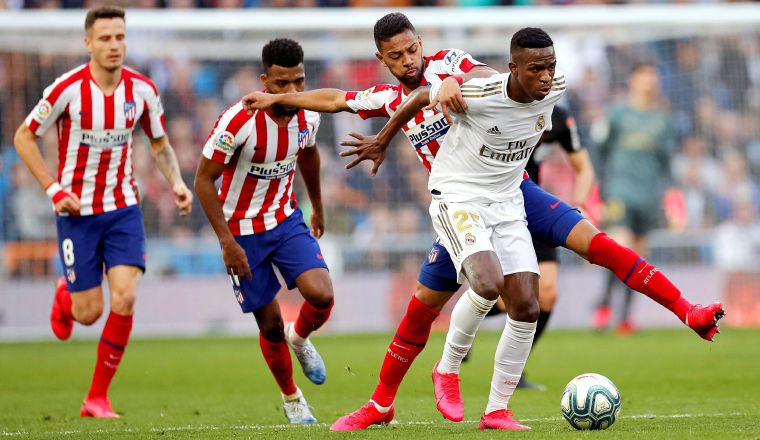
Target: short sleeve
<point>54,101</point>
<point>453,62</point>
<point>227,135</point>
<point>371,103</point>
<point>313,138</point>
<point>152,119</point>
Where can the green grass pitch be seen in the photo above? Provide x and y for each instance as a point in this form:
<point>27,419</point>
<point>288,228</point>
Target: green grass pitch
<point>673,385</point>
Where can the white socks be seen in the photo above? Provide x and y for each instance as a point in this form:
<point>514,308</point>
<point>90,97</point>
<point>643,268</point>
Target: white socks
<point>509,361</point>
<point>466,317</point>
<point>295,396</point>
<point>294,337</point>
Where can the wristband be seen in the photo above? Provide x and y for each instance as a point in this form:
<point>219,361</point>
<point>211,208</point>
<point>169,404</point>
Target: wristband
<point>56,192</point>
<point>458,78</point>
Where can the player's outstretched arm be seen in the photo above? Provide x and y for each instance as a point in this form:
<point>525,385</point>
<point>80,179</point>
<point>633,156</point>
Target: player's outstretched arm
<point>233,254</point>
<point>319,100</point>
<point>26,145</point>
<point>309,164</point>
<point>449,95</point>
<point>166,160</point>
<point>373,147</point>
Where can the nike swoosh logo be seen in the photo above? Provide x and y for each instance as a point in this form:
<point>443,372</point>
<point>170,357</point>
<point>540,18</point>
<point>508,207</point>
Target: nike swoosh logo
<point>554,205</point>
<point>397,345</point>
<point>114,357</point>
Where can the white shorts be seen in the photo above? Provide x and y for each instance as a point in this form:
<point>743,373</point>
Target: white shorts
<point>467,228</point>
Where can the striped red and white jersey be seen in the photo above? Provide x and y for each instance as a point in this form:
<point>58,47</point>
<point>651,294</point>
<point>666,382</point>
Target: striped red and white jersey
<point>95,134</point>
<point>260,158</point>
<point>428,126</point>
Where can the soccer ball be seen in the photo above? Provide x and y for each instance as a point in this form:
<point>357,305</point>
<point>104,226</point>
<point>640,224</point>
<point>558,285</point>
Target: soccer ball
<point>590,401</point>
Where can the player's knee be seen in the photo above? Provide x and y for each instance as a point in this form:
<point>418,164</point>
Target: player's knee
<point>488,288</point>
<point>87,314</point>
<point>123,303</point>
<point>526,310</point>
<point>320,295</point>
<point>273,331</point>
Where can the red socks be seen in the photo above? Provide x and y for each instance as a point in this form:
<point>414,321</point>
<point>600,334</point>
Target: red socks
<point>277,357</point>
<point>637,273</point>
<point>113,340</point>
<point>311,318</point>
<point>411,336</point>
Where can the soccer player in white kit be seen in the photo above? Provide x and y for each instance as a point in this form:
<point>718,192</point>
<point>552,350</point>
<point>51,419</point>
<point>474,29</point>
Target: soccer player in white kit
<point>478,213</point>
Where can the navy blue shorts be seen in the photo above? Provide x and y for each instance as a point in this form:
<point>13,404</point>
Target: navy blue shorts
<point>550,221</point>
<point>290,247</point>
<point>88,243</point>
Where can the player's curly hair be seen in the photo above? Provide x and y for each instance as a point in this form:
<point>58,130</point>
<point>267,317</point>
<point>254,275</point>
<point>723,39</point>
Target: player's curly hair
<point>102,12</point>
<point>531,38</point>
<point>282,52</point>
<point>390,25</point>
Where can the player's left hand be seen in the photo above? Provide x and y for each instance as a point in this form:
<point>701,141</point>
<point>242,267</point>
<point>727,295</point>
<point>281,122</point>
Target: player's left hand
<point>450,99</point>
<point>183,198</point>
<point>258,101</point>
<point>365,148</point>
<point>317,223</point>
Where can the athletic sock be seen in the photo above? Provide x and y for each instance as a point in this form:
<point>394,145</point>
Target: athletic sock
<point>277,356</point>
<point>466,317</point>
<point>411,336</point>
<point>637,273</point>
<point>111,347</point>
<point>509,361</point>
<point>309,320</point>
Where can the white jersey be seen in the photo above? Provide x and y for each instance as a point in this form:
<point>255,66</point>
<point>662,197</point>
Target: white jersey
<point>428,126</point>
<point>260,158</point>
<point>95,134</point>
<point>483,156</point>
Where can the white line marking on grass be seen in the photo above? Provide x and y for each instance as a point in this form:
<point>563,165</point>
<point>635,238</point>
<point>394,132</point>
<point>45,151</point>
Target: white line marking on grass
<point>201,428</point>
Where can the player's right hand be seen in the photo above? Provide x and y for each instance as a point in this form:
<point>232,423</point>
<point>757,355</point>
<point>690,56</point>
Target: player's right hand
<point>69,204</point>
<point>236,260</point>
<point>365,148</point>
<point>258,101</point>
<point>450,99</point>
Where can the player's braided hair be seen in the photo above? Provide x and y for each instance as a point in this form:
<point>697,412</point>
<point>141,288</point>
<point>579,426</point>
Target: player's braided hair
<point>390,25</point>
<point>282,52</point>
<point>102,12</point>
<point>531,38</point>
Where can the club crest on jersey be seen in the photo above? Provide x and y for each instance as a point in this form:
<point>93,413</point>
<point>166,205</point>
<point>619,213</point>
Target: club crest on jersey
<point>540,123</point>
<point>43,110</point>
<point>130,111</point>
<point>225,142</point>
<point>71,275</point>
<point>303,138</point>
<point>433,255</point>
<point>469,239</point>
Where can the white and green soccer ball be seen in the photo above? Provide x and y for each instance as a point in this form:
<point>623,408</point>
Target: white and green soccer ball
<point>590,401</point>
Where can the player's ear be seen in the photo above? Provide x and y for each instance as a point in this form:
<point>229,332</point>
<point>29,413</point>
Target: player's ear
<point>88,44</point>
<point>513,68</point>
<point>379,57</point>
<point>263,78</point>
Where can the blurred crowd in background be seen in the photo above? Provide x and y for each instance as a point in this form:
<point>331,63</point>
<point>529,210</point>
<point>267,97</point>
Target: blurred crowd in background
<point>87,4</point>
<point>710,88</point>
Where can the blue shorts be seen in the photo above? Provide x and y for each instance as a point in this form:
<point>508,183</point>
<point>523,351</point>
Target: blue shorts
<point>290,247</point>
<point>550,221</point>
<point>88,243</point>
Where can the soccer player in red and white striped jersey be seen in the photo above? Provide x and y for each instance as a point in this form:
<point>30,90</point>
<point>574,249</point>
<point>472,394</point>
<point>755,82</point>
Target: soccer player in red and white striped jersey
<point>95,108</point>
<point>259,225</point>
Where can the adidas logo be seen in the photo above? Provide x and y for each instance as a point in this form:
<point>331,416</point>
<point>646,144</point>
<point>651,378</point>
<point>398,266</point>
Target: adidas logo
<point>493,130</point>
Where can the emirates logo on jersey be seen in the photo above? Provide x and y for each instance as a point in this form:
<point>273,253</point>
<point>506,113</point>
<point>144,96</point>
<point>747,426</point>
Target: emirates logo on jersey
<point>540,123</point>
<point>130,111</point>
